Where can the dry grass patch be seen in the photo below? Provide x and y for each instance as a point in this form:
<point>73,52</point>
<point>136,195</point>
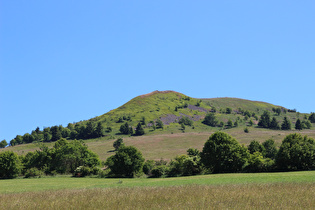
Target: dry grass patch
<point>252,196</point>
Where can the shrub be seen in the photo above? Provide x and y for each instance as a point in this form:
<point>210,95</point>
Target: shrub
<point>33,172</point>
<point>127,162</point>
<point>210,119</point>
<point>159,171</point>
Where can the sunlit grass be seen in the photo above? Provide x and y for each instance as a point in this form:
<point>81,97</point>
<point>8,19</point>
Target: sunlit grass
<point>247,196</point>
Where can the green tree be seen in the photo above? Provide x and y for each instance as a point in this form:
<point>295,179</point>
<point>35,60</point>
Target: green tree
<point>139,130</point>
<point>296,153</point>
<point>3,143</point>
<point>186,121</point>
<point>55,133</point>
<point>264,120</point>
<point>126,129</point>
<point>193,152</point>
<point>298,125</point>
<point>222,153</point>
<point>228,110</point>
<point>255,146</point>
<point>270,149</point>
<point>159,124</point>
<point>230,123</point>
<point>10,166</point>
<point>89,130</point>
<point>118,143</point>
<point>127,162</point>
<point>286,124</point>
<point>274,124</point>
<point>210,119</point>
<point>67,156</point>
<point>306,124</point>
<point>143,121</point>
<point>99,130</point>
<point>312,117</point>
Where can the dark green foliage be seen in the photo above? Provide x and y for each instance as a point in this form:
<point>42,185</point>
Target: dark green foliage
<point>159,124</point>
<point>296,153</point>
<point>270,149</point>
<point>185,165</point>
<point>126,129</point>
<point>230,123</point>
<point>222,153</point>
<point>306,124</point>
<point>264,120</point>
<point>277,110</point>
<point>143,121</point>
<point>286,124</point>
<point>67,156</point>
<point>247,114</point>
<point>108,129</point>
<point>246,130</point>
<point>10,166</point>
<point>55,133</point>
<point>33,172</point>
<point>3,143</point>
<point>193,152</point>
<point>83,171</point>
<point>210,119</point>
<point>274,124</point>
<point>236,123</point>
<point>257,163</point>
<point>312,118</point>
<point>118,143</point>
<point>148,166</point>
<point>99,130</point>
<point>186,121</point>
<point>127,162</point>
<point>255,146</point>
<point>228,110</point>
<point>139,130</point>
<point>298,125</point>
<point>159,171</point>
<point>251,123</point>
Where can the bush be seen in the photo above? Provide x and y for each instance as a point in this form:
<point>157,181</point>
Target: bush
<point>33,172</point>
<point>159,171</point>
<point>148,166</point>
<point>127,162</point>
<point>210,119</point>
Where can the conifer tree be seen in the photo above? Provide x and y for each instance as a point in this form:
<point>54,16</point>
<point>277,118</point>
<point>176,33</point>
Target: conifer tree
<point>286,124</point>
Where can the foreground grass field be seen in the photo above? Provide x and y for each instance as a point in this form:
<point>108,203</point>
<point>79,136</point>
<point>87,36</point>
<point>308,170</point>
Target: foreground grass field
<point>291,190</point>
<point>255,196</point>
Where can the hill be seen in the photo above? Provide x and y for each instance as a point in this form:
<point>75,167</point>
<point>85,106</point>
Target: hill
<point>182,117</point>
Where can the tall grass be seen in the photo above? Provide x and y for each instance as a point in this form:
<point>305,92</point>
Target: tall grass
<point>252,196</point>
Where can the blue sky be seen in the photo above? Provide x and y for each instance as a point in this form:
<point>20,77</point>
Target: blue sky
<point>66,61</point>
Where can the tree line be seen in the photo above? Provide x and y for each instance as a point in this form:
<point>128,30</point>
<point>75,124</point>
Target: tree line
<point>72,131</point>
<point>221,153</point>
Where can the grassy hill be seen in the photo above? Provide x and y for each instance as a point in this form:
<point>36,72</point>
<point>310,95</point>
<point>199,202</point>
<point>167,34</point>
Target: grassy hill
<point>170,107</point>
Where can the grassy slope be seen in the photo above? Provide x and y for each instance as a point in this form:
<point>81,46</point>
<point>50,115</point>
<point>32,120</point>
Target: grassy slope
<point>170,141</point>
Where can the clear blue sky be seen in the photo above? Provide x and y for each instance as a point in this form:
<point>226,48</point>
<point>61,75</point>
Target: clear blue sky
<point>66,61</point>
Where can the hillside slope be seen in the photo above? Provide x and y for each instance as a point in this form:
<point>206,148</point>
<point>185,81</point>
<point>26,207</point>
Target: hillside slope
<point>174,139</point>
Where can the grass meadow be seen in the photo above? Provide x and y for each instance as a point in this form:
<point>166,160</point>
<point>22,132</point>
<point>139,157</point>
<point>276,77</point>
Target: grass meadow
<point>168,145</point>
<point>290,190</point>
